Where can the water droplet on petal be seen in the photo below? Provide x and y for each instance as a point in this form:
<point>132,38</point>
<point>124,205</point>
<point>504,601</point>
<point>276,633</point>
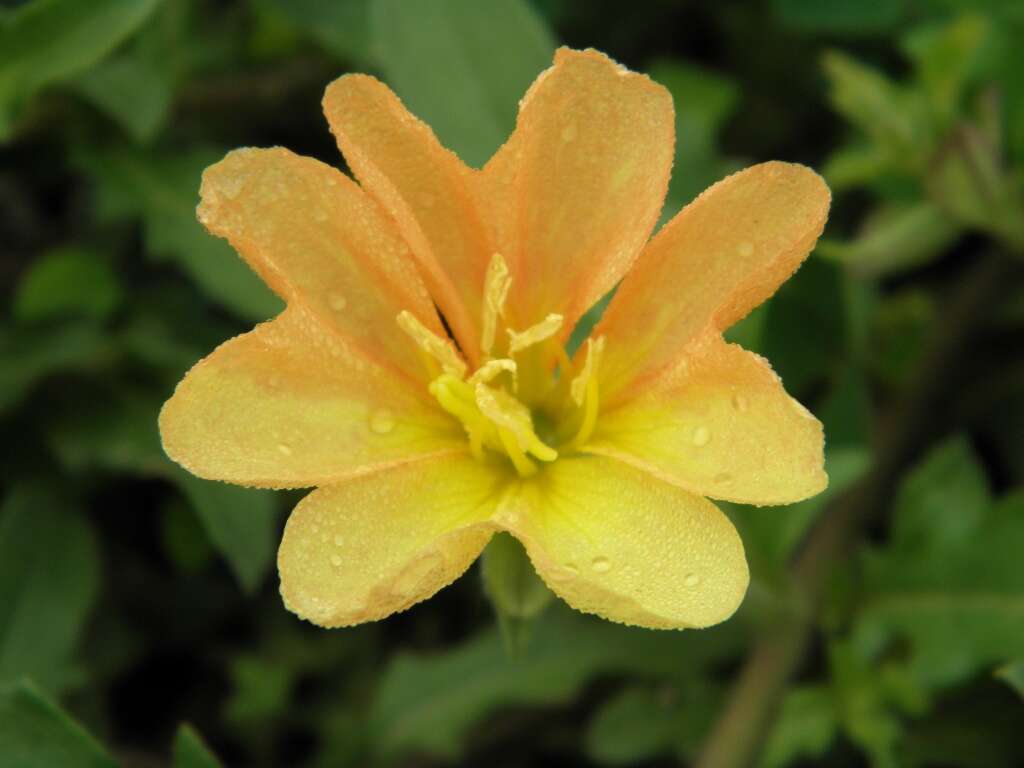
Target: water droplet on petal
<point>320,215</point>
<point>746,250</point>
<point>336,301</point>
<point>601,564</point>
<point>569,132</point>
<point>567,572</point>
<point>739,402</point>
<point>382,421</point>
<point>701,435</point>
<point>335,560</point>
<point>691,580</point>
<point>339,540</point>
<point>284,449</point>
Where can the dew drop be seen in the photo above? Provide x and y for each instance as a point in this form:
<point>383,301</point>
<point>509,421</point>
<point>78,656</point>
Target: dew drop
<point>284,449</point>
<point>601,564</point>
<point>739,402</point>
<point>569,132</point>
<point>336,301</point>
<point>382,421</point>
<point>274,382</point>
<point>338,540</point>
<point>335,560</point>
<point>567,572</point>
<point>701,435</point>
<point>746,249</point>
<point>320,215</point>
<point>691,580</point>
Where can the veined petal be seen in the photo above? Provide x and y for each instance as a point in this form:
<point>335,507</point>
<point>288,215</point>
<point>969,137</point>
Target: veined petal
<point>318,240</point>
<point>721,425</point>
<point>425,187</point>
<point>578,187</point>
<point>720,257</point>
<point>287,405</point>
<point>611,540</point>
<point>374,545</point>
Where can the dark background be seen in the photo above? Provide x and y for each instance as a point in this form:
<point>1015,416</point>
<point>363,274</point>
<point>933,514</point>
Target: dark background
<point>885,620</point>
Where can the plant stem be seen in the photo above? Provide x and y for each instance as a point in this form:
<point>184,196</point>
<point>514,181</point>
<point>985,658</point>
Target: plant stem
<point>906,426</point>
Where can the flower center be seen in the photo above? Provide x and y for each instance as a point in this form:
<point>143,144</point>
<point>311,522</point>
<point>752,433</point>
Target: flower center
<point>527,401</point>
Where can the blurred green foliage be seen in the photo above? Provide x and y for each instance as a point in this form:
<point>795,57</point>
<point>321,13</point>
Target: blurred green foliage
<point>135,598</point>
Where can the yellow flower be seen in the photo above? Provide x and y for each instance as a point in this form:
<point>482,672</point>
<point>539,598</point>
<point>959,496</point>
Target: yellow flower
<point>424,436</point>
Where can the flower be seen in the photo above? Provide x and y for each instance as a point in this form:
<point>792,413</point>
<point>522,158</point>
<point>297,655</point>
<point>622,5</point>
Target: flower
<point>425,433</point>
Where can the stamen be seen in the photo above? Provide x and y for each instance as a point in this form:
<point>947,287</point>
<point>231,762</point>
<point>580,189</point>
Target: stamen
<point>545,329</point>
<point>523,465</point>
<point>489,370</point>
<point>509,414</point>
<point>578,388</point>
<point>496,285</point>
<point>440,349</point>
<point>585,393</point>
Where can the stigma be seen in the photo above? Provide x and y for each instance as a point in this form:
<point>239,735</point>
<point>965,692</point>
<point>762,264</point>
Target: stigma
<point>523,374</point>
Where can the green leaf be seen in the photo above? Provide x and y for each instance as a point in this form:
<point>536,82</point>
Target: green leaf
<point>841,16</point>
<point>190,751</point>
<point>855,164</point>
<point>35,733</point>
<point>341,28</point>
<point>631,727</point>
<point>805,727</point>
<point>804,309</point>
<point>122,436</point>
<point>132,90</point>
<point>892,116</point>
<point>162,190</point>
<point>948,583</point>
<point>67,281</point>
<point>704,100</point>
<point>48,41</point>
<point>461,65</point>
<point>241,523</point>
<point>261,690</point>
<point>896,238</point>
<point>946,58</point>
<point>49,579</point>
<point>428,703</point>
<point>1013,675</point>
<point>29,355</point>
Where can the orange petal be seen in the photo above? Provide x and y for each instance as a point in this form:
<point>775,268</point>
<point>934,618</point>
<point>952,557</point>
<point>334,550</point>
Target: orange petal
<point>287,405</point>
<point>611,540</point>
<point>426,188</point>
<point>364,549</point>
<point>721,425</point>
<point>578,187</point>
<point>318,240</point>
<point>720,257</point>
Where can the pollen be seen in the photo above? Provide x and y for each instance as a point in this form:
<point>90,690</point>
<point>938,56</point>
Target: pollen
<point>499,415</point>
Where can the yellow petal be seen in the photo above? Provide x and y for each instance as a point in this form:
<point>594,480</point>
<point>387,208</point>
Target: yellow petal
<point>426,189</point>
<point>318,240</point>
<point>720,257</point>
<point>366,548</point>
<point>579,185</point>
<point>611,540</point>
<point>287,405</point>
<point>721,425</point>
